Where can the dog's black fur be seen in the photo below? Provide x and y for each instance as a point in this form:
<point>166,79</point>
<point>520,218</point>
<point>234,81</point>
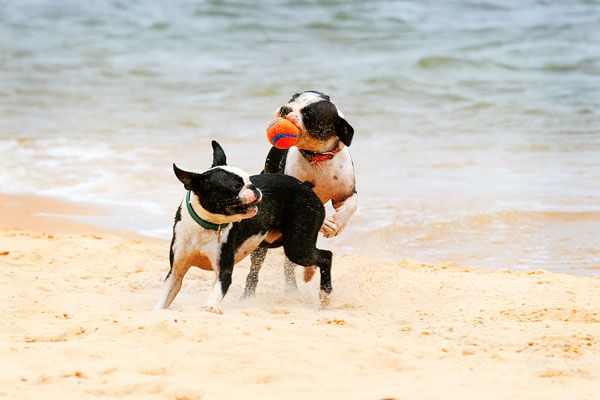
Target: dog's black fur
<point>289,214</point>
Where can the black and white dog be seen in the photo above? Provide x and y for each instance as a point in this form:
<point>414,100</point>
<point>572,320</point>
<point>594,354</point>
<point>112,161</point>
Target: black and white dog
<point>321,156</point>
<point>227,214</point>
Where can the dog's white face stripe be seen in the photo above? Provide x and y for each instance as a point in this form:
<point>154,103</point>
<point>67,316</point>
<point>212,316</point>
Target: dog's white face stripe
<point>236,171</point>
<point>303,100</point>
<point>308,98</point>
<point>245,194</point>
<point>299,103</point>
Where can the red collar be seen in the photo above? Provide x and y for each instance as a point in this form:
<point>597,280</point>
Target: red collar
<point>314,157</point>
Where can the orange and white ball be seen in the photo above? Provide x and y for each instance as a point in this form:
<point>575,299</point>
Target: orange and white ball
<point>282,133</point>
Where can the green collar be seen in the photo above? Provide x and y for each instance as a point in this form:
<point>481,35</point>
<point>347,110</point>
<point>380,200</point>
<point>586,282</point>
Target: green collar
<point>200,221</point>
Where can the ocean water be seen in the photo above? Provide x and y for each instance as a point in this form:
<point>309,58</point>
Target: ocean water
<point>477,122</point>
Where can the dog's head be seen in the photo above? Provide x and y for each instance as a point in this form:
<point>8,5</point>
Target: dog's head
<point>225,193</point>
<point>321,124</point>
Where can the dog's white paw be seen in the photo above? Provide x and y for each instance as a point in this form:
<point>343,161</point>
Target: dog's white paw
<point>329,228</point>
<point>324,298</point>
<point>212,307</point>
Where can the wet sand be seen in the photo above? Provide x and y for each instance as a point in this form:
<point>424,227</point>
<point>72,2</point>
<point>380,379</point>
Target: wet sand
<point>78,323</point>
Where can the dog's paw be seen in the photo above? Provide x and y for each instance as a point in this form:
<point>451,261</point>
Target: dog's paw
<point>248,294</point>
<point>291,290</point>
<point>340,221</point>
<point>212,307</point>
<point>324,298</point>
<point>161,305</point>
<point>329,228</point>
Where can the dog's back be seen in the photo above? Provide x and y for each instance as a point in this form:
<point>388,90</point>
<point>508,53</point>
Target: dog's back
<point>288,206</point>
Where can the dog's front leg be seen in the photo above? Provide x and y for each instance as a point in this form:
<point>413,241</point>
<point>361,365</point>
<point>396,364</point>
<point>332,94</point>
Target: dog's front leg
<point>335,224</point>
<point>213,304</point>
<point>222,282</point>
<point>172,284</point>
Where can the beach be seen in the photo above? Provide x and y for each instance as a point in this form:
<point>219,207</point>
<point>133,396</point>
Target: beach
<point>78,323</point>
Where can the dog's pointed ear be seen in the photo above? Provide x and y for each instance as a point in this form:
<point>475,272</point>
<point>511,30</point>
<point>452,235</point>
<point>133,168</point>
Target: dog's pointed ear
<point>184,176</point>
<point>344,131</point>
<point>219,157</point>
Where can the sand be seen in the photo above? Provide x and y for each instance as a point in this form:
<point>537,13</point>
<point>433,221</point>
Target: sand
<point>77,323</point>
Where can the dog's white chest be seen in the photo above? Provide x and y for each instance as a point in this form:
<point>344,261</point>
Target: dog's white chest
<point>198,245</point>
<point>333,179</point>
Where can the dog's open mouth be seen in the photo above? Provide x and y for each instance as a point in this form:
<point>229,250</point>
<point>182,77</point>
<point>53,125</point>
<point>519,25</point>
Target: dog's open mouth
<point>247,210</point>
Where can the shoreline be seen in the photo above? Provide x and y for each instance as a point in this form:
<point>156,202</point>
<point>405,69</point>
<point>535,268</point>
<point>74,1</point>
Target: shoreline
<point>79,322</point>
<point>49,214</point>
<point>43,214</point>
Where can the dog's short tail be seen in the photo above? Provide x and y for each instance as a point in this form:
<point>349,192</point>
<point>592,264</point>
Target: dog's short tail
<point>308,184</point>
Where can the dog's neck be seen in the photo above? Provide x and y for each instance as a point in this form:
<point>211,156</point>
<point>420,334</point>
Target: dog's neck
<point>314,157</point>
<point>202,217</point>
<point>316,145</point>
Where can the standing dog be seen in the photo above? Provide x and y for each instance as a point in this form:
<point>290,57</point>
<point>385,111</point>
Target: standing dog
<point>227,214</point>
<point>321,156</point>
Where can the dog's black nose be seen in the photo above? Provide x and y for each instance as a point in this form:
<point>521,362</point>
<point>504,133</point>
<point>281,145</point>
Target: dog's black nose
<point>251,187</point>
<point>284,110</point>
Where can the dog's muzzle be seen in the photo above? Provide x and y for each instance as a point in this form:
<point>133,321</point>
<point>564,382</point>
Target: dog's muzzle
<point>249,197</point>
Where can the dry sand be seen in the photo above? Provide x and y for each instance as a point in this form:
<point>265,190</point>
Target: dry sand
<point>77,323</point>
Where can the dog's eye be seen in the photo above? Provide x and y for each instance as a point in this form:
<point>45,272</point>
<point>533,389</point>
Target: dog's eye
<point>238,187</point>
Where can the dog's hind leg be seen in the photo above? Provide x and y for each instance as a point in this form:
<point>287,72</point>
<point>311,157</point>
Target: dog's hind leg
<point>257,258</point>
<point>325,271</point>
<point>171,286</point>
<point>289,269</point>
<point>308,257</point>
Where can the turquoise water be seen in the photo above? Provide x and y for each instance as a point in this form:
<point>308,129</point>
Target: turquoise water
<point>477,123</point>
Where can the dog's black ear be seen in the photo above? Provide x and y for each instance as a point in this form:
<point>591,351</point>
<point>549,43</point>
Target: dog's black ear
<point>219,157</point>
<point>344,131</point>
<point>184,176</point>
